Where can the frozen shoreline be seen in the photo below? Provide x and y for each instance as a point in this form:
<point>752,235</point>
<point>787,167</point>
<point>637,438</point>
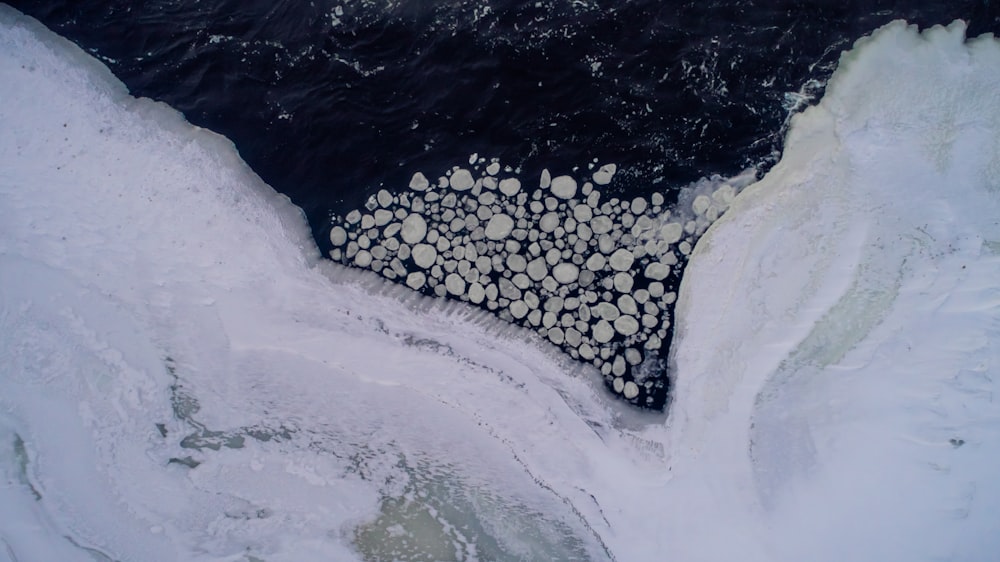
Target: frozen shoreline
<point>834,364</point>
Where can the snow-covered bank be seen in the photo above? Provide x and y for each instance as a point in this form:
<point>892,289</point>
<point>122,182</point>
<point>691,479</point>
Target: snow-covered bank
<point>187,385</point>
<point>183,380</point>
<point>842,323</point>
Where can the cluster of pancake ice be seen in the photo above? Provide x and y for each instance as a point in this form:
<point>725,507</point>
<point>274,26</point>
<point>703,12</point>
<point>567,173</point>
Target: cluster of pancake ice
<point>596,277</point>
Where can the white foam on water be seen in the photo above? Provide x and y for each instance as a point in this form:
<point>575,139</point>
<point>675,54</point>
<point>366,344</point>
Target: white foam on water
<point>185,379</point>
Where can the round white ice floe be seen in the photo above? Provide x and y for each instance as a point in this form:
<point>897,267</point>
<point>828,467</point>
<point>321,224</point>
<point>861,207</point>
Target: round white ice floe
<point>603,332</point>
<point>338,236</point>
<point>384,198</point>
<point>566,273</point>
<point>548,222</point>
<point>516,263</point>
<point>476,293</point>
<point>656,289</point>
<point>484,265</point>
<point>492,292</point>
<point>424,255</point>
<point>657,271</point>
<point>583,213</point>
<point>596,262</point>
<point>462,180</point>
<point>510,186</point>
<point>601,225</point>
<point>671,232</point>
<point>631,390</point>
<point>603,175</point>
<point>563,187</point>
<point>626,325</point>
<point>549,319</point>
<point>363,258</point>
<point>537,269</point>
<point>618,384</point>
<point>455,284</point>
<point>557,336</point>
<point>627,305</point>
<point>419,182</point>
<point>621,260</point>
<point>552,256</point>
<point>499,227</point>
<point>633,356</point>
<point>605,243</point>
<point>416,280</point>
<point>414,229</point>
<point>531,299</point>
<point>518,309</point>
<point>623,282</point>
<point>618,366</point>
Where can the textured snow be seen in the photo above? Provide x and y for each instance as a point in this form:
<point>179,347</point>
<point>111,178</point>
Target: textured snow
<point>185,379</point>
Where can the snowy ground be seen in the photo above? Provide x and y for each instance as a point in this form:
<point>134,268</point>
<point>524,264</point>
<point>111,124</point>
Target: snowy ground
<point>183,379</point>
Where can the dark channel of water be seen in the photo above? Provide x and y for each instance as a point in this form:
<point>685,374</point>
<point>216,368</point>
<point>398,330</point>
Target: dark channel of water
<point>329,101</point>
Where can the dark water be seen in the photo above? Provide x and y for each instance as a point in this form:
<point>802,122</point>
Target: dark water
<point>330,101</point>
<point>327,108</point>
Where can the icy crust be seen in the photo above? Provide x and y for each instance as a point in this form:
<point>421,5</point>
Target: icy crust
<point>836,344</point>
<point>594,277</point>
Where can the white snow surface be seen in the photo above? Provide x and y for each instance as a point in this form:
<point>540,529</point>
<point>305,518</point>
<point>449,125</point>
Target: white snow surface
<point>836,357</point>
